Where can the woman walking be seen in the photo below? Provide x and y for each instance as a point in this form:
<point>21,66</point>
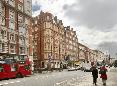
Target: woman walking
<point>103,71</point>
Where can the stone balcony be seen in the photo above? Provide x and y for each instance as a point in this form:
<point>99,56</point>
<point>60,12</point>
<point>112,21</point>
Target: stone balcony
<point>4,51</point>
<point>3,39</point>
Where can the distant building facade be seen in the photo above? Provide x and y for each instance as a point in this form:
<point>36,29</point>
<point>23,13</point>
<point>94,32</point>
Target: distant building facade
<point>84,53</point>
<point>71,46</point>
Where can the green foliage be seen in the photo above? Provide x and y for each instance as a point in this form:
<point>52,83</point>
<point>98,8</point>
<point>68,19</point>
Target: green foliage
<point>70,63</point>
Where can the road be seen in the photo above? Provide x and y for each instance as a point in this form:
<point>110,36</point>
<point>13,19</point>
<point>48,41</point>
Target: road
<point>64,78</point>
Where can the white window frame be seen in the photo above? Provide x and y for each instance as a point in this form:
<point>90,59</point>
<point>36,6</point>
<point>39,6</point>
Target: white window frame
<point>4,34</point>
<point>2,15</point>
<point>11,19</point>
<point>21,50</point>
<point>12,3</point>
<point>20,7</point>
<point>12,49</point>
<point>3,47</point>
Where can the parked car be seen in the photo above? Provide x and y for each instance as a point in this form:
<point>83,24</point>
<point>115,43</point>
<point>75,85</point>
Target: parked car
<point>78,68</point>
<point>71,69</point>
<point>87,69</point>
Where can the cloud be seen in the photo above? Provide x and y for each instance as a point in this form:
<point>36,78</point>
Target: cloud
<point>111,47</point>
<point>94,14</point>
<point>52,6</point>
<point>94,20</point>
<point>92,38</point>
<point>36,7</point>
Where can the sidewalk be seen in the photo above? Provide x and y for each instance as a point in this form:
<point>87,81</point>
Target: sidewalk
<point>112,80</point>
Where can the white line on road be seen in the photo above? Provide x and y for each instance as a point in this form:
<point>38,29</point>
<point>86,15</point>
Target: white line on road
<point>18,81</point>
<point>9,83</point>
<point>58,83</point>
<point>61,83</point>
<point>36,78</point>
<point>12,82</point>
<point>73,78</point>
<point>1,84</point>
<point>6,83</point>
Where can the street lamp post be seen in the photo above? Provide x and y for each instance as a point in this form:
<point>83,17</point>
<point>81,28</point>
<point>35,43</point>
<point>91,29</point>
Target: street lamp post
<point>59,52</point>
<point>50,59</point>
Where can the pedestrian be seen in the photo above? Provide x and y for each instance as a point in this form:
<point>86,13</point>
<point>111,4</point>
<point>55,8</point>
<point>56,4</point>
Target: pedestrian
<point>94,74</point>
<point>103,73</point>
<point>61,66</point>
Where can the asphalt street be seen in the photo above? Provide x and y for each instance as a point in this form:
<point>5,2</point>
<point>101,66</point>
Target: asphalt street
<point>48,79</point>
<point>64,78</point>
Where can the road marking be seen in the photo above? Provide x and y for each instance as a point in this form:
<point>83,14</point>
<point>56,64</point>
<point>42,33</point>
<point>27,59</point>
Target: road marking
<point>12,82</point>
<point>73,79</point>
<point>9,83</point>
<point>36,78</point>
<point>58,83</point>
<point>61,83</point>
<point>18,81</point>
<point>6,83</point>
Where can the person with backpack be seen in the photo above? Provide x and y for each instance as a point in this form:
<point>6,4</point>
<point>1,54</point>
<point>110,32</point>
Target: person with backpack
<point>103,73</point>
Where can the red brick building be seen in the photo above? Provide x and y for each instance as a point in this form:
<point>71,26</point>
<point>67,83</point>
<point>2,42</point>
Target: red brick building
<point>48,39</point>
<point>15,28</point>
<point>71,47</point>
<point>84,53</point>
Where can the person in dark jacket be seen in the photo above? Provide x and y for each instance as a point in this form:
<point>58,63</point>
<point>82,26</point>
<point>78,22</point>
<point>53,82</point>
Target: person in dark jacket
<point>94,74</point>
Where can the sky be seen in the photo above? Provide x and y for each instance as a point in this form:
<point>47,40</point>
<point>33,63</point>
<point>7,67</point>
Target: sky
<point>95,21</point>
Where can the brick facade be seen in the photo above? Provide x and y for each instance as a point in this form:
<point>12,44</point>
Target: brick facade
<point>15,29</point>
<point>50,41</point>
<point>71,41</point>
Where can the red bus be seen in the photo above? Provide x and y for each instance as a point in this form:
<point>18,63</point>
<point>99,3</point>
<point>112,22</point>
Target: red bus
<point>24,68</point>
<point>11,68</point>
